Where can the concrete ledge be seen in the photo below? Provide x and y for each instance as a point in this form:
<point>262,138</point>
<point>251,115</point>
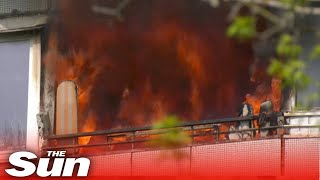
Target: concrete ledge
<point>22,23</point>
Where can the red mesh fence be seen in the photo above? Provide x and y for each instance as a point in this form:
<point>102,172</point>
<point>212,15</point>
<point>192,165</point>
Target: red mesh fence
<point>111,165</point>
<point>299,157</point>
<point>247,158</point>
<point>250,158</point>
<point>302,157</point>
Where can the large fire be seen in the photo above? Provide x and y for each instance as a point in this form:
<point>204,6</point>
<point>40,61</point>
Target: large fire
<point>165,57</point>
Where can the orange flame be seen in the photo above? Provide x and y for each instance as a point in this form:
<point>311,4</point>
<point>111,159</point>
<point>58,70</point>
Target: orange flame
<point>147,67</point>
<point>263,93</point>
<point>89,126</point>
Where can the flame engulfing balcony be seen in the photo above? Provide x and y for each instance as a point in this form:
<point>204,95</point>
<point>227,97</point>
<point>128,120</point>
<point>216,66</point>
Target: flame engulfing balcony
<point>139,67</point>
<point>126,151</point>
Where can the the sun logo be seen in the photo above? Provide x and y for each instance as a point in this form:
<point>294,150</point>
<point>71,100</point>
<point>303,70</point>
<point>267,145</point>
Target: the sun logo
<point>61,166</point>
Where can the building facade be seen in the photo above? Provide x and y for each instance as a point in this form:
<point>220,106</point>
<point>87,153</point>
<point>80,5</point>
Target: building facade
<point>26,92</point>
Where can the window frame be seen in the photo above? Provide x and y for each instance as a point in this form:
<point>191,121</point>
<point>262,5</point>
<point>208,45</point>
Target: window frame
<point>34,77</point>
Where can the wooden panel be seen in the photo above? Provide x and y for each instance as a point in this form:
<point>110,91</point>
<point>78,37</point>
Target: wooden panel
<point>67,108</point>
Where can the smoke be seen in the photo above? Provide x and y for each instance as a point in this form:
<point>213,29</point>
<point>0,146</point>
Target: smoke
<point>161,57</point>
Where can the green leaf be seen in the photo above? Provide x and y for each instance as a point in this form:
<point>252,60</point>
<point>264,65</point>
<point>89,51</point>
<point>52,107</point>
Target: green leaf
<point>315,53</point>
<point>168,122</point>
<point>242,28</point>
<point>172,137</point>
<point>286,39</point>
<point>291,72</point>
<point>287,48</point>
<point>275,67</point>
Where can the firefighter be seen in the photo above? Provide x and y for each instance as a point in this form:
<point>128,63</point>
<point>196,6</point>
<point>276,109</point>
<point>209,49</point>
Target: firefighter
<point>267,118</point>
<point>246,110</point>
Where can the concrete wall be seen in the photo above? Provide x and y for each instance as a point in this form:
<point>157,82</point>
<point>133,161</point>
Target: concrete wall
<point>17,15</point>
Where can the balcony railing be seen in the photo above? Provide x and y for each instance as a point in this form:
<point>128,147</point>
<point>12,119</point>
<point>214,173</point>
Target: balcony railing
<point>201,132</point>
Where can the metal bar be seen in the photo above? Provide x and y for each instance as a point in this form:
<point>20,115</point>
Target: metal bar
<point>283,153</point>
<point>115,131</point>
<point>99,133</point>
<point>149,131</point>
<point>131,163</point>
<point>190,160</point>
<point>132,140</point>
<point>192,134</point>
<point>90,145</point>
<point>300,136</point>
<point>300,115</point>
<point>108,144</point>
<point>308,123</point>
<point>301,126</point>
<point>139,141</point>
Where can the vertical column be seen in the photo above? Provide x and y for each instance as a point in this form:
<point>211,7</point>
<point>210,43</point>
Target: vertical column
<point>34,94</point>
<point>67,111</point>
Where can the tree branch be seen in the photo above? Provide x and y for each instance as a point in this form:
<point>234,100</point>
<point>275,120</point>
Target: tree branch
<point>116,12</point>
<point>277,4</point>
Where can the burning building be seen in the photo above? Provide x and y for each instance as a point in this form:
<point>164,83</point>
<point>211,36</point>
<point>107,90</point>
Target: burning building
<point>131,63</point>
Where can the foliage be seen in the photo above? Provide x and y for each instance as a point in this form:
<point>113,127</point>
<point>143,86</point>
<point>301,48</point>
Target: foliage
<point>242,28</point>
<point>287,48</point>
<point>286,64</point>
<point>315,53</point>
<point>291,70</point>
<point>171,136</point>
<point>293,3</point>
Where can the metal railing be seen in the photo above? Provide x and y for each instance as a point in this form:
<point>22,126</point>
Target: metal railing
<point>134,133</point>
<point>198,129</point>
